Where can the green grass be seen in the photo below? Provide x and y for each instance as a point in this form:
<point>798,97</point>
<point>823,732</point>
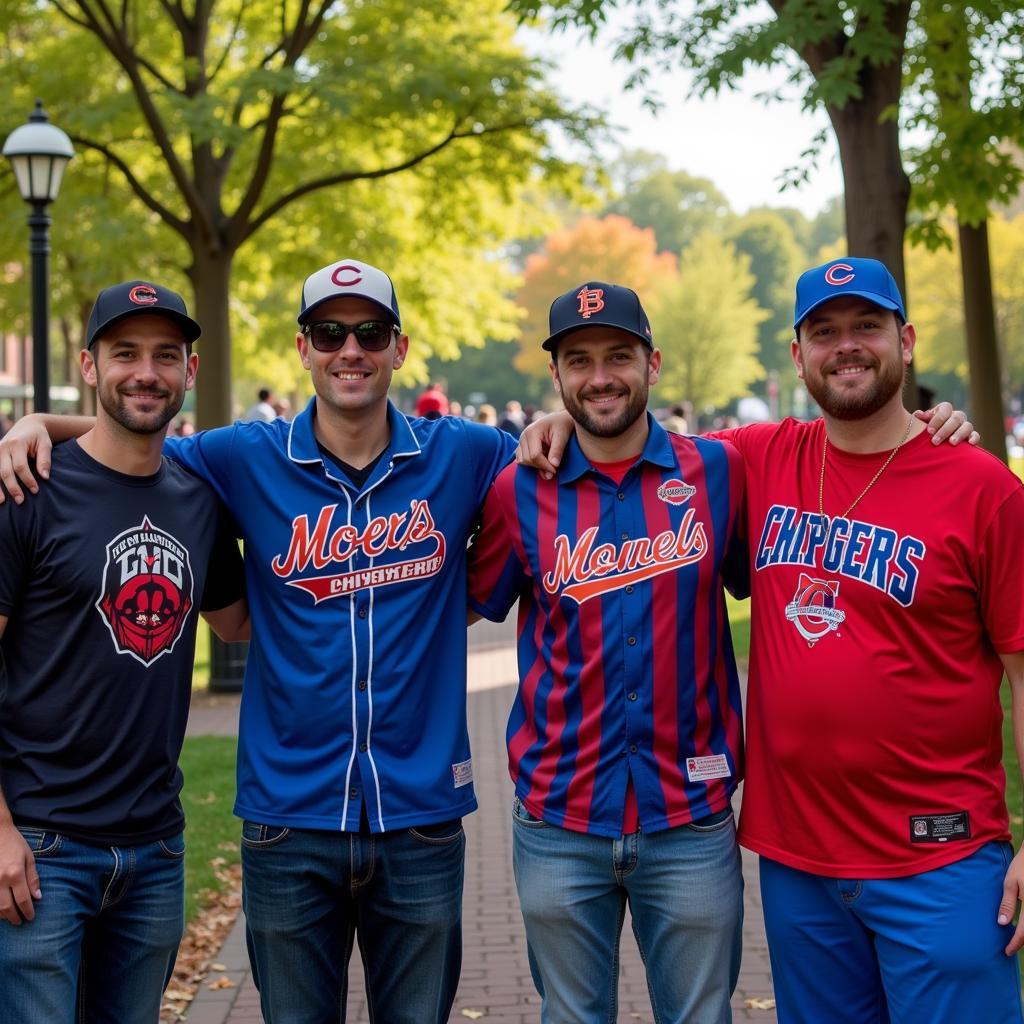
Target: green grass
<point>211,830</point>
<point>201,670</point>
<point>739,622</point>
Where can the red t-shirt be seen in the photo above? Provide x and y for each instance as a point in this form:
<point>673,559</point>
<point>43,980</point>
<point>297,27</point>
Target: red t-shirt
<point>874,727</point>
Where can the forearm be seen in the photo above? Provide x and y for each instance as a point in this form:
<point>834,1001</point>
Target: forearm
<point>62,428</point>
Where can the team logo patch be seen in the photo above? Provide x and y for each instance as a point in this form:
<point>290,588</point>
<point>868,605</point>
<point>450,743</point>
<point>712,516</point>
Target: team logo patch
<point>676,492</point>
<point>147,592</point>
<point>591,301</point>
<point>143,295</point>
<point>813,609</point>
<point>346,275</point>
<point>839,274</point>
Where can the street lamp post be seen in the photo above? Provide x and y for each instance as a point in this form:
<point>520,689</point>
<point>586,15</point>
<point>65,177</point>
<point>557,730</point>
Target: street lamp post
<point>39,152</point>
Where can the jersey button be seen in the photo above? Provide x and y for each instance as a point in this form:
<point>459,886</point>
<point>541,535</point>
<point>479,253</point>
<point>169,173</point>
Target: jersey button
<point>362,613</point>
<point>632,695</point>
<point>631,641</point>
<point>362,748</point>
<point>629,589</point>
<point>362,684</point>
<point>625,536</point>
<point>632,748</point>
<point>353,792</point>
<point>621,496</point>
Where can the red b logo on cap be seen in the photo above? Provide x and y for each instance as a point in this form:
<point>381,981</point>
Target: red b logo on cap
<point>834,274</point>
<point>143,295</point>
<point>591,301</point>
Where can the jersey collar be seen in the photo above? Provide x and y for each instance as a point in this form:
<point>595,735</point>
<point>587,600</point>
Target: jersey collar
<point>302,445</point>
<point>657,450</point>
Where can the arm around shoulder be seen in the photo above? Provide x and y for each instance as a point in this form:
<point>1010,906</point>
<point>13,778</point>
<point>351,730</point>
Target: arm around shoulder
<point>232,624</point>
<point>33,436</point>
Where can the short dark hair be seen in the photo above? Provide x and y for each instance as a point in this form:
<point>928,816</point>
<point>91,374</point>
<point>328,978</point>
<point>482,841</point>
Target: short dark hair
<point>264,394</point>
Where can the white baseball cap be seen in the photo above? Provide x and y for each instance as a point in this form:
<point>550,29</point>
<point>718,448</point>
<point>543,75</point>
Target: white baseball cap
<point>348,277</point>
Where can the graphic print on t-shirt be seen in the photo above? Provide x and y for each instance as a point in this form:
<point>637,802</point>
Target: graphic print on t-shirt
<point>146,592</point>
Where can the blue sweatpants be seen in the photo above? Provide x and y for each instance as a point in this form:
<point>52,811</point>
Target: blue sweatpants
<point>923,949</point>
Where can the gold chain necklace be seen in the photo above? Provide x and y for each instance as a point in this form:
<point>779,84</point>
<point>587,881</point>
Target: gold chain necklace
<point>871,483</point>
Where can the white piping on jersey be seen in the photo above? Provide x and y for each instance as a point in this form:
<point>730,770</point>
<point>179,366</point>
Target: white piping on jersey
<point>294,458</point>
<point>369,686</point>
<point>355,664</point>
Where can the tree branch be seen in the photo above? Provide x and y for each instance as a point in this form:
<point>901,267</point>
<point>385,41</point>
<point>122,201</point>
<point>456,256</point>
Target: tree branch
<point>381,172</point>
<point>136,186</point>
<point>120,48</point>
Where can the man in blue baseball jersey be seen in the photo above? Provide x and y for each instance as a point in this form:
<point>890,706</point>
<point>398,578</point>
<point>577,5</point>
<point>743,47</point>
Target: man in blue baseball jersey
<point>354,767</point>
<point>625,737</point>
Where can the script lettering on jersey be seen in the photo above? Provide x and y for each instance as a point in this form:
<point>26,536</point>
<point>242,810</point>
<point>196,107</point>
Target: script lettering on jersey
<point>856,550</point>
<point>586,569</point>
<point>326,544</point>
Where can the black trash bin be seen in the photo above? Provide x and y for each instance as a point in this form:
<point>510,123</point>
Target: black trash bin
<point>227,665</point>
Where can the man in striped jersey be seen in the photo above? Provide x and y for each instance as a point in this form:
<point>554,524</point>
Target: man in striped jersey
<point>625,735</point>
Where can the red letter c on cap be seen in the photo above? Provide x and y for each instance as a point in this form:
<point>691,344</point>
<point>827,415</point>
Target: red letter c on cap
<point>143,295</point>
<point>341,281</point>
<point>835,276</point>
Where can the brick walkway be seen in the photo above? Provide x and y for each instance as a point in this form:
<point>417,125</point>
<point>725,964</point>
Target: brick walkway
<point>495,975</point>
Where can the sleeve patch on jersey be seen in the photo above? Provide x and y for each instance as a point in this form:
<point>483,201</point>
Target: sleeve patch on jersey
<point>712,766</point>
<point>462,773</point>
<point>940,828</point>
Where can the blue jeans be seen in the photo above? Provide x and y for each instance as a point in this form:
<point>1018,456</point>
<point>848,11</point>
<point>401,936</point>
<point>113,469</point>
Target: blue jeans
<point>922,949</point>
<point>684,889</point>
<point>307,895</point>
<point>102,945</point>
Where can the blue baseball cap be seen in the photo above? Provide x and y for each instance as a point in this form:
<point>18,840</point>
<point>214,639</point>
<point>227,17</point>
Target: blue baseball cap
<point>132,298</point>
<point>848,275</point>
<point>597,304</point>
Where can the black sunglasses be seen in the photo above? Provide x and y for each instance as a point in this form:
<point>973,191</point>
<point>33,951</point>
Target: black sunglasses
<point>331,335</point>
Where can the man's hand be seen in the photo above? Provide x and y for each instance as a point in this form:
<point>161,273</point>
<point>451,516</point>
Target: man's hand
<point>542,443</point>
<point>19,880</point>
<point>27,438</point>
<point>1013,894</point>
<point>948,424</point>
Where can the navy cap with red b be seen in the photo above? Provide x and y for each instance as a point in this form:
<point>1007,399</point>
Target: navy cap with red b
<point>848,275</point>
<point>597,304</point>
<point>120,301</point>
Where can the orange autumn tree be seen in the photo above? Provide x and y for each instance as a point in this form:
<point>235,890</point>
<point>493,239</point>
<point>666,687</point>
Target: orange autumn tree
<point>608,248</point>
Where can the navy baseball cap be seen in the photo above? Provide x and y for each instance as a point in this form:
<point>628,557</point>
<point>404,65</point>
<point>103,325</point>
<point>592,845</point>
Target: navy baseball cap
<point>597,304</point>
<point>120,301</point>
<point>848,275</point>
<point>348,277</point>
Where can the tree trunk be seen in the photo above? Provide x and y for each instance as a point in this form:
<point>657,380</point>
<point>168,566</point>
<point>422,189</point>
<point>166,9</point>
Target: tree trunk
<point>876,187</point>
<point>982,348</point>
<point>210,274</point>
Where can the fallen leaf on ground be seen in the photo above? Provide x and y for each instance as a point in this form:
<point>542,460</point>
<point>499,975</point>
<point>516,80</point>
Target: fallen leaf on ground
<point>217,967</point>
<point>760,1003</point>
<point>473,1014</point>
<point>222,982</point>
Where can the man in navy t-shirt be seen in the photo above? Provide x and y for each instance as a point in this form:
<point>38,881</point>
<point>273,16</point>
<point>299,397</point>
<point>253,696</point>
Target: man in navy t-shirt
<point>103,577</point>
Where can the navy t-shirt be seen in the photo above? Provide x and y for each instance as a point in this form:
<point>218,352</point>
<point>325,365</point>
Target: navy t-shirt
<point>102,576</point>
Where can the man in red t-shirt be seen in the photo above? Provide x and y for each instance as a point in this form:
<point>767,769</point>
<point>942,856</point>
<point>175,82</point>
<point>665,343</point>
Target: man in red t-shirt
<point>888,599</point>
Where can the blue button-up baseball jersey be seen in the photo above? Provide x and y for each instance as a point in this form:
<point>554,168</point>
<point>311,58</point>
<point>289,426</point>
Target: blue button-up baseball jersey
<point>355,689</point>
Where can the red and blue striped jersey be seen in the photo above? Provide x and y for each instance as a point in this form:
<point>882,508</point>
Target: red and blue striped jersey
<point>625,658</point>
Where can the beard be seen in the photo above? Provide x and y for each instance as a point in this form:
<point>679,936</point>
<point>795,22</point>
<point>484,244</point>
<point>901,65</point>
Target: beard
<point>856,405</point>
<point>115,406</point>
<point>636,406</point>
